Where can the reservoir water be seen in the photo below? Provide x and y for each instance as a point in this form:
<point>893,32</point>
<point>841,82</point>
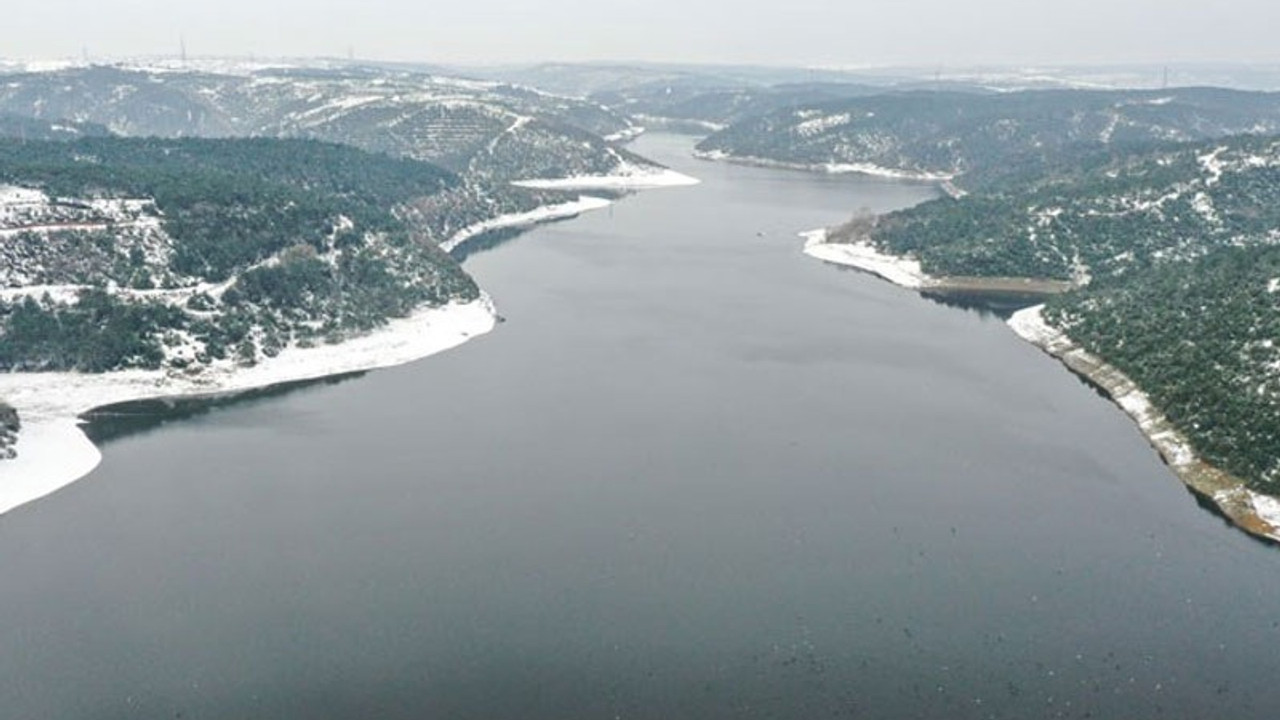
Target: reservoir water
<point>696,474</point>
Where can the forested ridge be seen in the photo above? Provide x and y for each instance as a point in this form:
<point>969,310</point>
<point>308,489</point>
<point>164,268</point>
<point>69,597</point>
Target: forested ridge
<point>993,139</point>
<point>1174,202</point>
<point>1174,256</point>
<point>482,130</point>
<point>152,252</point>
<point>1202,338</point>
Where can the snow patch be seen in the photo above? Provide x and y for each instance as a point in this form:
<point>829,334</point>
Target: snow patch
<point>1267,508</point>
<point>884,172</point>
<point>62,294</point>
<point>822,124</point>
<point>1213,165</point>
<point>663,120</point>
<point>1203,204</point>
<point>625,135</point>
<point>14,195</point>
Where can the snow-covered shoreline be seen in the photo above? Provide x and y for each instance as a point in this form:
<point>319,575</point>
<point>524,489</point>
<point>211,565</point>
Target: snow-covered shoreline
<point>662,121</point>
<point>53,452</point>
<point>1256,513</point>
<point>870,169</point>
<point>639,179</point>
<point>629,180</point>
<point>907,272</point>
<point>541,214</point>
<point>625,135</point>
<point>864,256</point>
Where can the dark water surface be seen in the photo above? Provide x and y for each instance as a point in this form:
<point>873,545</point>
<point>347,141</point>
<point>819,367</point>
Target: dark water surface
<point>695,475</point>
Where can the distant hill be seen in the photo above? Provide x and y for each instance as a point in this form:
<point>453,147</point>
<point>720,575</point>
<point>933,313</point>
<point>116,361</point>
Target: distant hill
<point>717,106</point>
<point>483,130</point>
<point>28,128</point>
<point>1170,204</point>
<point>986,139</point>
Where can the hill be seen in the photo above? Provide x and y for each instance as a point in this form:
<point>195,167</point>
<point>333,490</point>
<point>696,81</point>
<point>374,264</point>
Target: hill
<point>985,140</point>
<point>146,253</point>
<point>484,131</point>
<point>1171,259</point>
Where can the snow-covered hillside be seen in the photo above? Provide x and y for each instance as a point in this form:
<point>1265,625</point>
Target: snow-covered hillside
<point>986,137</point>
<point>486,129</point>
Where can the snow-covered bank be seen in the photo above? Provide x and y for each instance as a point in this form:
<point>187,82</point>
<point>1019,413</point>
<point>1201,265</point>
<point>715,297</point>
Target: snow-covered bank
<point>667,123</point>
<point>830,168</point>
<point>625,135</point>
<point>864,256</point>
<point>637,178</point>
<point>53,452</point>
<point>539,214</point>
<point>908,273</point>
<point>1256,513</point>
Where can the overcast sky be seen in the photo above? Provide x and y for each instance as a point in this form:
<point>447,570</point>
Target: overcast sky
<point>782,32</point>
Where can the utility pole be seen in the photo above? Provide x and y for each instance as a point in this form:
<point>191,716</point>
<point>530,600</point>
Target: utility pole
<point>182,50</point>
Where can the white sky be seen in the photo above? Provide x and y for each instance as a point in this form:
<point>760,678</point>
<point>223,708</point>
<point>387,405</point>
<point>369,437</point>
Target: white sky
<point>775,32</point>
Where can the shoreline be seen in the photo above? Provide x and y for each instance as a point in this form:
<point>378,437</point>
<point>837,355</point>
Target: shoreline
<point>638,179</point>
<point>54,452</point>
<point>1253,512</point>
<point>944,180</point>
<point>674,124</point>
<point>900,271</point>
<point>528,218</point>
<point>908,273</point>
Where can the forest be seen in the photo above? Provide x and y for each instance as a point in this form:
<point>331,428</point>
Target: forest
<point>260,243</point>
<point>1202,338</point>
<point>990,140</point>
<point>1174,257</point>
